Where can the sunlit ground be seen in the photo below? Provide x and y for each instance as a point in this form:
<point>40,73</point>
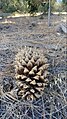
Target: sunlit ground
<point>24,14</point>
<point>17,15</point>
<point>7,21</point>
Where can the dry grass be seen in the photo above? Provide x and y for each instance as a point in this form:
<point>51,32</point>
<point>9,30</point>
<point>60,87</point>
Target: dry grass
<point>16,33</point>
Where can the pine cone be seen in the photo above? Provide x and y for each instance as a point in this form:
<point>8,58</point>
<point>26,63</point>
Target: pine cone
<point>31,69</point>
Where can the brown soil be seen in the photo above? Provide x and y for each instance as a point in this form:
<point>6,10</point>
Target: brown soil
<point>31,31</point>
<point>16,33</point>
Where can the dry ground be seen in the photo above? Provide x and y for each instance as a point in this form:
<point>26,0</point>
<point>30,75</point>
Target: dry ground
<point>31,31</point>
<point>16,33</point>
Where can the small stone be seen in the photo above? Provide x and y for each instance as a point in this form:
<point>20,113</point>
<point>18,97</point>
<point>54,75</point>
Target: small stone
<point>7,84</point>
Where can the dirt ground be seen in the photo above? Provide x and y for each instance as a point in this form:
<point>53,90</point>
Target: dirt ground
<point>32,31</point>
<point>16,33</point>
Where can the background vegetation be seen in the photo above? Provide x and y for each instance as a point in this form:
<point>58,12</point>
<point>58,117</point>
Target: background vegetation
<point>31,6</point>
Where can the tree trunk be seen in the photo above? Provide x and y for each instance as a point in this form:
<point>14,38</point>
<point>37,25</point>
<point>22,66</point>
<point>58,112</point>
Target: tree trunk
<point>49,15</point>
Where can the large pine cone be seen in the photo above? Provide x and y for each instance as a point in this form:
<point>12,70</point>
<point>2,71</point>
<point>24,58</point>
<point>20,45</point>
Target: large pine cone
<point>31,68</point>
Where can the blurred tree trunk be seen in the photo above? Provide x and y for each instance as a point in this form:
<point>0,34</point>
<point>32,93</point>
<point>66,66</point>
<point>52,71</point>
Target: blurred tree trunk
<point>49,11</point>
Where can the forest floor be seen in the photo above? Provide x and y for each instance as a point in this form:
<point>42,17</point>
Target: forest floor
<point>32,31</point>
<point>16,33</point>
